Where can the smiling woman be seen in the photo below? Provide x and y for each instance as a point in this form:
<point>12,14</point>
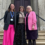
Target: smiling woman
<point>9,25</point>
<point>31,25</point>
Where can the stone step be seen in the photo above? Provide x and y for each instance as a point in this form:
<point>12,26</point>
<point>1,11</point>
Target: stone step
<point>0,43</point>
<point>1,34</point>
<point>41,31</point>
<point>39,42</point>
<point>41,37</point>
<point>40,34</point>
<point>38,31</point>
<point>1,40</point>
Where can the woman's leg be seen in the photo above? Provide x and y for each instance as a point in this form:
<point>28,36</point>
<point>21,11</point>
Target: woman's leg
<point>23,40</point>
<point>34,42</point>
<point>5,38</point>
<point>12,34</point>
<point>29,42</point>
<point>8,36</point>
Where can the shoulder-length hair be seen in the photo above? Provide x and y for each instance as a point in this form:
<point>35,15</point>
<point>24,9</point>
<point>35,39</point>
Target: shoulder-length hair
<point>29,7</point>
<point>21,7</point>
<point>9,9</point>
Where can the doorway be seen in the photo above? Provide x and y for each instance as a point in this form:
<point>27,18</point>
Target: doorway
<point>21,3</point>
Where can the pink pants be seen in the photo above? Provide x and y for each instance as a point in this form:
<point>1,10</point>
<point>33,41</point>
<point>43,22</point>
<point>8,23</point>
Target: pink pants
<point>8,37</point>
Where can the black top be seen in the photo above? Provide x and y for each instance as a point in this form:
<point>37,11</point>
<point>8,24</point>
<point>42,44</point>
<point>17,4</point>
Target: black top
<point>12,22</point>
<point>7,17</point>
<point>27,19</point>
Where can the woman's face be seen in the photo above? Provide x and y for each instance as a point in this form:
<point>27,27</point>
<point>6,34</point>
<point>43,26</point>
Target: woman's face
<point>12,6</point>
<point>28,9</point>
<point>21,9</point>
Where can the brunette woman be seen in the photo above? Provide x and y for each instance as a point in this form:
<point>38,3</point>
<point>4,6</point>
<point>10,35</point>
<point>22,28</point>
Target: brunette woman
<point>9,25</point>
<point>20,31</point>
<point>31,25</point>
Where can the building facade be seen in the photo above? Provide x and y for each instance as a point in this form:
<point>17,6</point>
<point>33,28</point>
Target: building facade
<point>37,5</point>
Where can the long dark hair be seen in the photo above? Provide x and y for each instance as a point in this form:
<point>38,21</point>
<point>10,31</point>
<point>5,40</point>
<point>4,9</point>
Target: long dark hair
<point>9,9</point>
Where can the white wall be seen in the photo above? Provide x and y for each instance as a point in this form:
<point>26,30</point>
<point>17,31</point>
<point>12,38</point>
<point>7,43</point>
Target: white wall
<point>41,5</point>
<point>3,7</point>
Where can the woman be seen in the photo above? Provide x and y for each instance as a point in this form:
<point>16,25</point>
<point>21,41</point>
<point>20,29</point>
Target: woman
<point>9,25</point>
<point>20,31</point>
<point>31,25</point>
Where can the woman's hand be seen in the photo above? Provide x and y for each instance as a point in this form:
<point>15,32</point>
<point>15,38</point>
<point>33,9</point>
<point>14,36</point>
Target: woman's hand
<point>33,27</point>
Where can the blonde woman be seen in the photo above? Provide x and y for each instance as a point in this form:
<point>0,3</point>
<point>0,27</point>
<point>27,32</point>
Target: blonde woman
<point>31,25</point>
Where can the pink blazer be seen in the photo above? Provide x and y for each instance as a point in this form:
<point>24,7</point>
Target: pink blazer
<point>31,21</point>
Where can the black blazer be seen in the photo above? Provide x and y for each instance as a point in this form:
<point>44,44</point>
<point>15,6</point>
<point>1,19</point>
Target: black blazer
<point>7,20</point>
<point>17,17</point>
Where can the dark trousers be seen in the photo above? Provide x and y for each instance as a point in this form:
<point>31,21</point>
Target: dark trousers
<point>32,42</point>
<point>20,35</point>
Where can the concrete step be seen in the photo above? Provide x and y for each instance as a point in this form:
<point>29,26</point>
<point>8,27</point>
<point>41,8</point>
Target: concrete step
<point>1,34</point>
<point>41,31</point>
<point>41,34</point>
<point>0,43</point>
<point>1,40</point>
<point>39,42</point>
<point>41,37</point>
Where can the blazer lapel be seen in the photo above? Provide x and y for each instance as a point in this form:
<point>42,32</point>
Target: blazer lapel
<point>8,19</point>
<point>15,18</point>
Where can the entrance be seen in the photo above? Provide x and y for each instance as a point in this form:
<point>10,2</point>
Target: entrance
<point>21,3</point>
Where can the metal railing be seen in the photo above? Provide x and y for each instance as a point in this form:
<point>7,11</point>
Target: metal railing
<point>36,15</point>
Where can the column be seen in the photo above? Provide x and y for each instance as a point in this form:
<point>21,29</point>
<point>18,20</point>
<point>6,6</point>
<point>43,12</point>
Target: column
<point>12,1</point>
<point>1,14</point>
<point>4,4</point>
<point>41,5</point>
<point>35,8</point>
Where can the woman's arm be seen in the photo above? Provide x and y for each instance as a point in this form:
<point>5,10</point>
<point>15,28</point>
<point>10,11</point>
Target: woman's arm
<point>5,16</point>
<point>17,18</point>
<point>34,20</point>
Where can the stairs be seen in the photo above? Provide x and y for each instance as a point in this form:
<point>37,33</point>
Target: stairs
<point>39,41</point>
<point>1,37</point>
<point>41,38</point>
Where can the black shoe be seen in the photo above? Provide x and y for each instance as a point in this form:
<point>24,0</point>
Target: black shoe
<point>29,43</point>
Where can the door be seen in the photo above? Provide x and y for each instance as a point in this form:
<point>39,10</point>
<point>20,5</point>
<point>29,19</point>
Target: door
<point>21,3</point>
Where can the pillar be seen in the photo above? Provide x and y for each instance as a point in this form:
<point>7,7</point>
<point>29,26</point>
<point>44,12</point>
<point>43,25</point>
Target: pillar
<point>41,5</point>
<point>4,4</point>
<point>35,8</point>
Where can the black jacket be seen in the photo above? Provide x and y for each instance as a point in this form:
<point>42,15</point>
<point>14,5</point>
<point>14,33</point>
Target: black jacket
<point>7,20</point>
<point>17,17</point>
